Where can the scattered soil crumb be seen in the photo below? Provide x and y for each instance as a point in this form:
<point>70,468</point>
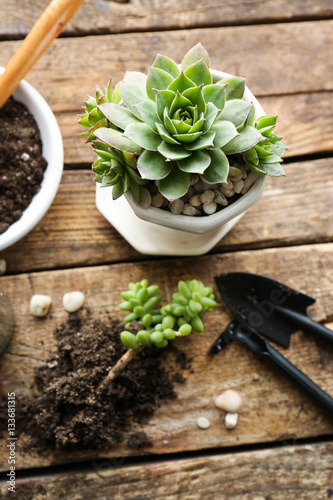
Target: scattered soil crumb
<point>138,440</point>
<point>67,413</point>
<point>22,165</point>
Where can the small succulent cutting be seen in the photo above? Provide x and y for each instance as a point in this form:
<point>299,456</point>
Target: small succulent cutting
<point>158,325</point>
<point>176,122</point>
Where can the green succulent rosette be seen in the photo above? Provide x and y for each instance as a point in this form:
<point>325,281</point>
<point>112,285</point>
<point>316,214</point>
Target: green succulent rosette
<point>174,122</point>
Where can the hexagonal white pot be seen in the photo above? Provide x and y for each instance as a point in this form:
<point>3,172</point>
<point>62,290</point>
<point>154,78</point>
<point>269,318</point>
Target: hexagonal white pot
<point>154,231</point>
<point>52,150</point>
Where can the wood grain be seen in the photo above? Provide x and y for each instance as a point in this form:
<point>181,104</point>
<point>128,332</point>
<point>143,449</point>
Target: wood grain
<point>273,58</point>
<point>293,210</point>
<point>290,472</point>
<point>102,16</point>
<point>274,410</point>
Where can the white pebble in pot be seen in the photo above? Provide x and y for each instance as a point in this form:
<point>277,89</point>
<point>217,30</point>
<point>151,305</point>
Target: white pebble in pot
<point>230,401</point>
<point>73,301</point>
<point>40,305</point>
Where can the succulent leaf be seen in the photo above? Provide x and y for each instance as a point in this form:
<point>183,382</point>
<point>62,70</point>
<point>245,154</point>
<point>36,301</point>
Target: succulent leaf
<point>195,96</point>
<point>142,135</point>
<point>195,54</point>
<point>247,138</point>
<point>116,139</point>
<point>167,65</point>
<point>118,115</point>
<point>210,116</point>
<point>224,133</point>
<point>147,111</point>
<point>153,166</point>
<point>175,185</point>
<point>164,99</point>
<point>136,77</point>
<point>215,94</point>
<point>218,169</point>
<point>131,94</point>
<point>203,142</point>
<point>188,138</point>
<point>173,152</point>
<point>236,111</point>
<point>157,79</point>
<point>165,134</point>
<point>199,73</point>
<point>196,163</point>
<point>181,83</point>
<point>235,87</point>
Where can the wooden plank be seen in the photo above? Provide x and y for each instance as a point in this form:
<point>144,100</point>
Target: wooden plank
<point>269,56</point>
<point>293,472</point>
<point>274,409</point>
<point>120,16</point>
<point>293,210</point>
<point>305,122</point>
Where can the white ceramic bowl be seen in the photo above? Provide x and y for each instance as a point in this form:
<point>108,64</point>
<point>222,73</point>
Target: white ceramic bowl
<point>52,151</point>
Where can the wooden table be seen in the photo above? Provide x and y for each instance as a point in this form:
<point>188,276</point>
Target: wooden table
<point>282,447</point>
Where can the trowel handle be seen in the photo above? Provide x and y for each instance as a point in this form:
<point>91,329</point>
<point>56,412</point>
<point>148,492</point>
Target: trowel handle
<point>307,324</point>
<point>312,389</point>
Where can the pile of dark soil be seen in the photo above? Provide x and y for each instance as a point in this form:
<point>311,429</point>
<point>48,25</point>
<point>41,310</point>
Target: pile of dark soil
<point>21,162</point>
<point>69,414</point>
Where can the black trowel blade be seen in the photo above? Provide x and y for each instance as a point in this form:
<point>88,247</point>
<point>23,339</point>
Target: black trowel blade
<point>254,298</point>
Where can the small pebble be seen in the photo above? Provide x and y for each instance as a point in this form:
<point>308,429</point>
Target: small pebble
<point>188,195</point>
<point>231,420</point>
<point>189,210</point>
<point>219,198</point>
<point>207,196</point>
<point>73,301</point>
<point>230,401</point>
<point>250,179</point>
<point>238,186</point>
<point>243,170</point>
<point>203,423</point>
<point>165,441</point>
<point>25,156</point>
<point>200,186</point>
<point>157,200</point>
<point>256,377</point>
<point>40,305</point>
<point>3,266</point>
<point>228,184</point>
<point>176,206</point>
<point>145,198</point>
<point>227,192</point>
<point>210,208</point>
<point>195,201</point>
<point>52,364</point>
<point>235,174</point>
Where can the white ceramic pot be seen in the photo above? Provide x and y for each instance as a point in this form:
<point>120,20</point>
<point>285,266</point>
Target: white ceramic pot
<point>52,151</point>
<point>155,231</point>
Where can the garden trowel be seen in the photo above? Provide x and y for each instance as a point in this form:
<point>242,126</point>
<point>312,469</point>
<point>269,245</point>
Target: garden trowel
<point>239,331</point>
<point>269,307</point>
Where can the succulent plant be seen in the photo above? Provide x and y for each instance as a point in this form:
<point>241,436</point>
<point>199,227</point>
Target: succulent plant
<point>264,158</point>
<point>174,122</point>
<point>159,325</point>
<point>113,166</point>
<point>176,319</point>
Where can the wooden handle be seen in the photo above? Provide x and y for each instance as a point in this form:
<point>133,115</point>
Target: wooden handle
<point>47,28</point>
